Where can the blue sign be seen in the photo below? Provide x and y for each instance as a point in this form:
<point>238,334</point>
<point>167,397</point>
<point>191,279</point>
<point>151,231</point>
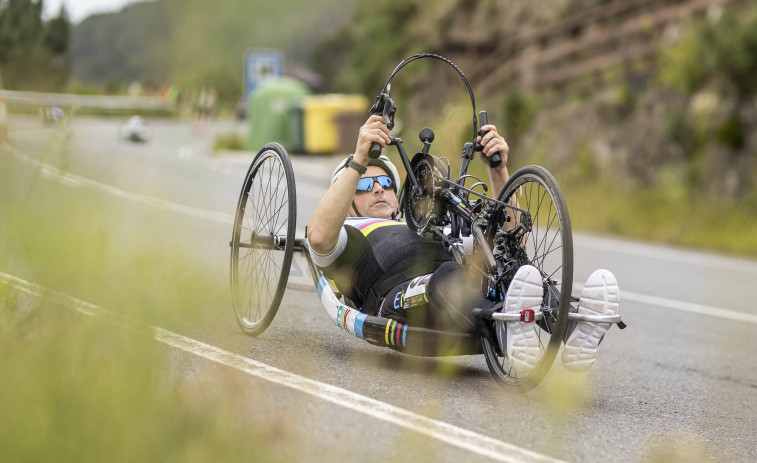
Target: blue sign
<point>260,65</point>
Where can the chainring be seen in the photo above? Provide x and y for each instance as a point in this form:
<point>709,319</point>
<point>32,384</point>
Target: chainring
<point>424,208</point>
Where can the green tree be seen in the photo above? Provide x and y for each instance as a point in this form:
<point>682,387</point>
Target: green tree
<point>33,54</point>
<point>720,53</point>
<point>20,24</point>
<point>58,33</point>
<point>377,39</point>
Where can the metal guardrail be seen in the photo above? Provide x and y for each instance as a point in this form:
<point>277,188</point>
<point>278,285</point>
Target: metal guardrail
<point>87,101</point>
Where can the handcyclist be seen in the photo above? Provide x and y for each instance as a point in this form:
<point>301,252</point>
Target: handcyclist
<point>388,270</point>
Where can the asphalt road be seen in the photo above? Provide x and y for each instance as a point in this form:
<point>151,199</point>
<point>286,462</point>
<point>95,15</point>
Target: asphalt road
<point>680,383</point>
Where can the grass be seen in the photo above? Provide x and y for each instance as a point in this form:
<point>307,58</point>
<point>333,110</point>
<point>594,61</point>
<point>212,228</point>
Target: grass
<point>668,215</point>
<point>232,141</point>
<point>664,215</point>
<point>82,389</point>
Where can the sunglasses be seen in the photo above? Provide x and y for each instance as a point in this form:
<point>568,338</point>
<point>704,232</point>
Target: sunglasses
<point>365,184</point>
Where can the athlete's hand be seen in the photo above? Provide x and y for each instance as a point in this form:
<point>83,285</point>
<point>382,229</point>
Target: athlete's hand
<point>493,142</point>
<point>374,130</point>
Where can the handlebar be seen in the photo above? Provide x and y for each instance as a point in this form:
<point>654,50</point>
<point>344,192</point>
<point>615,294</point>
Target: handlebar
<point>385,106</point>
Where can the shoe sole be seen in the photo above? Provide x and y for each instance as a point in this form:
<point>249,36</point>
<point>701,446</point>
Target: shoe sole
<point>598,297</point>
<point>526,291</point>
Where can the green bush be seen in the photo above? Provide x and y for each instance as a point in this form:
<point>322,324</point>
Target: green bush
<point>229,142</point>
<point>519,112</point>
<point>731,132</point>
<point>720,52</point>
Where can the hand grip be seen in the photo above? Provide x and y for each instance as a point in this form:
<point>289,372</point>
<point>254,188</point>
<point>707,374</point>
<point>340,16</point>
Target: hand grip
<point>384,106</point>
<point>495,159</point>
<point>375,150</point>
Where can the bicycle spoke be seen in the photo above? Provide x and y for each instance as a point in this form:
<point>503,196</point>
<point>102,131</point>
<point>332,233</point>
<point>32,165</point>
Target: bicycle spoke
<point>264,218</point>
<point>540,257</point>
<point>546,247</point>
<point>259,268</point>
<point>537,218</point>
<point>278,208</point>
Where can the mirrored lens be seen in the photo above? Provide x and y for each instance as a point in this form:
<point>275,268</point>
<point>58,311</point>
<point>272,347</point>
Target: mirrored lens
<point>385,181</point>
<point>366,183</point>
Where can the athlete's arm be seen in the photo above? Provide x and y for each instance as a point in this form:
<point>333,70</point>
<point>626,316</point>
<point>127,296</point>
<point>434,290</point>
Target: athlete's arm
<point>329,215</point>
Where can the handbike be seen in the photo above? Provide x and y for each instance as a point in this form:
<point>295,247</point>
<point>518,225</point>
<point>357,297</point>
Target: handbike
<point>526,223</point>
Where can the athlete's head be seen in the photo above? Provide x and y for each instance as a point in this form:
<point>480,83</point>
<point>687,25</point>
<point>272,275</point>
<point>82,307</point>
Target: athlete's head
<point>376,194</point>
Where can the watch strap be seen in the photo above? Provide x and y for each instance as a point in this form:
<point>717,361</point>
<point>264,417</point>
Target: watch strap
<point>358,167</point>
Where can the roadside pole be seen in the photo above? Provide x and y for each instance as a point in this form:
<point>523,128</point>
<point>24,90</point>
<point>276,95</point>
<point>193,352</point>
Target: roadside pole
<point>3,113</point>
<point>3,119</point>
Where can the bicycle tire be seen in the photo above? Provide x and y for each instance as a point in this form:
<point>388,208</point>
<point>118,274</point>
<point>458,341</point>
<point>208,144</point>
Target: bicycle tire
<point>262,243</point>
<point>551,251</point>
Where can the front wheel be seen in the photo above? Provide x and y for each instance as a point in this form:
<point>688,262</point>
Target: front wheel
<point>262,243</point>
<point>546,242</point>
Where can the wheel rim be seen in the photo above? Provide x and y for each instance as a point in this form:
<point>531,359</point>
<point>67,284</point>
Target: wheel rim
<point>263,238</point>
<point>549,247</point>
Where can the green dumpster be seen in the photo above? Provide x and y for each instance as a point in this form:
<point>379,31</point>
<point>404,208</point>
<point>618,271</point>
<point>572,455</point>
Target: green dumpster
<point>275,114</point>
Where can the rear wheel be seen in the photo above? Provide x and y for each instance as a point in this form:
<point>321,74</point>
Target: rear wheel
<point>547,244</point>
<point>262,243</point>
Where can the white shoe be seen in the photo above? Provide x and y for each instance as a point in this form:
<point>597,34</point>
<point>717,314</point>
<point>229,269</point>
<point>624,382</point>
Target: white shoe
<point>526,291</point>
<point>600,296</point>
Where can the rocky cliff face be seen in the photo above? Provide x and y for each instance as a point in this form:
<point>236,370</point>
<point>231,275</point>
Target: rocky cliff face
<point>588,73</point>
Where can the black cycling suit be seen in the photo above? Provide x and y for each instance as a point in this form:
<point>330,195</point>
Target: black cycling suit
<point>388,270</point>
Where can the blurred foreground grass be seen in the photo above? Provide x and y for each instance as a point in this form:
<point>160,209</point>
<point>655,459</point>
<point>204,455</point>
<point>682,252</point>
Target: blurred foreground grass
<point>79,388</point>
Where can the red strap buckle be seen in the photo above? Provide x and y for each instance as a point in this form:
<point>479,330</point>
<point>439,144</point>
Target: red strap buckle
<point>527,315</point>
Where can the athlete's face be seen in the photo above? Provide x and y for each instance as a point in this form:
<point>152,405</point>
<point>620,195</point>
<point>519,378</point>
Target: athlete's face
<point>378,202</point>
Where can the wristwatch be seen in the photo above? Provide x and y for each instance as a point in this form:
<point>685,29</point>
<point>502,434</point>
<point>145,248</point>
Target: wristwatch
<point>358,167</point>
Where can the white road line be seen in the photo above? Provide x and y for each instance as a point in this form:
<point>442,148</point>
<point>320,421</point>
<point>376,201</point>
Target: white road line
<point>55,174</point>
<point>657,252</point>
<point>688,307</point>
<point>596,243</point>
<point>439,430</point>
<point>673,304</point>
